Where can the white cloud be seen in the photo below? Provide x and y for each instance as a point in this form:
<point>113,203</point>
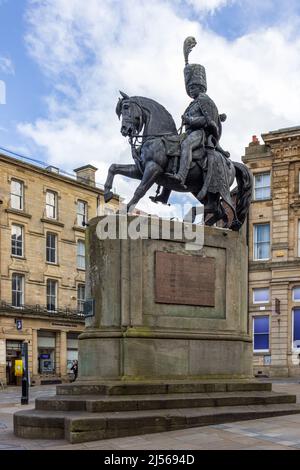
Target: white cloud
<point>90,50</point>
<point>208,5</point>
<point>6,65</point>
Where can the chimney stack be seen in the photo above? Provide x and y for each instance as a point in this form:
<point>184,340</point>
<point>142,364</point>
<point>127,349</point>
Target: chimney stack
<point>86,174</point>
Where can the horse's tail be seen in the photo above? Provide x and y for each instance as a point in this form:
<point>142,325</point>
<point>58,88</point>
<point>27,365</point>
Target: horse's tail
<point>243,192</point>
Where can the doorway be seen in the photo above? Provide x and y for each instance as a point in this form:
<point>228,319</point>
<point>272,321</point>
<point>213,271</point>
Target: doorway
<point>13,352</point>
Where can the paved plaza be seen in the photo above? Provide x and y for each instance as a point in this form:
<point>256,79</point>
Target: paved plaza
<point>281,433</point>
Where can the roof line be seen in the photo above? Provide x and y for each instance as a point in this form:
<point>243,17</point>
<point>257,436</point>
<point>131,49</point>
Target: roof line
<point>45,165</point>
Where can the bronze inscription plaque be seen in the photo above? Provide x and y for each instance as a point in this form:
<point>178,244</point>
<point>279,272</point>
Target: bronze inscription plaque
<point>184,280</point>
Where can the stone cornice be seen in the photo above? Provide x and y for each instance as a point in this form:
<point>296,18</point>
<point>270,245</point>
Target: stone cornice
<point>269,265</point>
<point>282,135</point>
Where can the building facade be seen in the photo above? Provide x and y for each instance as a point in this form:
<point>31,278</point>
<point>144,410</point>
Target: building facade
<point>43,213</point>
<point>274,252</point>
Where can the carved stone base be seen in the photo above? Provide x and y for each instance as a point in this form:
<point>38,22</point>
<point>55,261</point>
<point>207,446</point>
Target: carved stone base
<point>163,310</point>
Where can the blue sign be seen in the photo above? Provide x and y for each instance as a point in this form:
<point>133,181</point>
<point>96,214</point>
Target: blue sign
<point>45,356</point>
<point>19,324</point>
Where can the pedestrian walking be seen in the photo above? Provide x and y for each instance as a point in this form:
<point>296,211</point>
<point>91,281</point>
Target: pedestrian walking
<point>74,368</point>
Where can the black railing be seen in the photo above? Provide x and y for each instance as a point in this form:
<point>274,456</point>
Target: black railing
<point>41,310</point>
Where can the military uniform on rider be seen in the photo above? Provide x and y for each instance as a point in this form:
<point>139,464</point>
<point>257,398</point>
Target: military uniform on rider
<point>201,119</point>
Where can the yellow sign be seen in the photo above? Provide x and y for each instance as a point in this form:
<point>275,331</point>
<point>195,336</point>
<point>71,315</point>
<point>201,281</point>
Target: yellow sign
<point>18,368</point>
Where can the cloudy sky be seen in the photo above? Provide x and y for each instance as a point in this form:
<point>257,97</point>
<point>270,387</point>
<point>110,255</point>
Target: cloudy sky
<point>64,61</point>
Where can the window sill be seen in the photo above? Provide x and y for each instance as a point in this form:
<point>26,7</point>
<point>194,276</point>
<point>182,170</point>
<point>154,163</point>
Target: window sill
<point>261,304</point>
<point>262,200</point>
<point>53,222</point>
<point>81,269</point>
<point>18,212</point>
<point>262,353</point>
<point>254,310</point>
<point>261,260</point>
<point>52,264</point>
<point>79,228</point>
<point>18,257</point>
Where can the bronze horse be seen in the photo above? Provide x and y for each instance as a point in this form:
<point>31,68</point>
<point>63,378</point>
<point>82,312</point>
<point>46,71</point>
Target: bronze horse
<point>151,161</point>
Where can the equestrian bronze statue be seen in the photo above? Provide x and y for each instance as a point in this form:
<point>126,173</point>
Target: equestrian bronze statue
<point>191,161</point>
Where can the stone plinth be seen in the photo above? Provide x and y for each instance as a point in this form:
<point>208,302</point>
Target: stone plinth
<point>168,346</point>
<point>139,330</point>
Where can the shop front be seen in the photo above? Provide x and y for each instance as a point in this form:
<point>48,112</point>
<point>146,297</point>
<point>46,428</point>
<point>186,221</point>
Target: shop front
<point>13,354</point>
<point>46,352</point>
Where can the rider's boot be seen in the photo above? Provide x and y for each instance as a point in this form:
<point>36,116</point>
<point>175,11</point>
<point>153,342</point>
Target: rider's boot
<point>181,176</point>
<point>163,197</point>
<point>178,178</point>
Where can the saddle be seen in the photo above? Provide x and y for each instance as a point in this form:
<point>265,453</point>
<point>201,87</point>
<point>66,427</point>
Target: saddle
<point>172,145</point>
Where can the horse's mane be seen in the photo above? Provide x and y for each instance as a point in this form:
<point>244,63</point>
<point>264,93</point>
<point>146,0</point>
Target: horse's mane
<point>159,119</point>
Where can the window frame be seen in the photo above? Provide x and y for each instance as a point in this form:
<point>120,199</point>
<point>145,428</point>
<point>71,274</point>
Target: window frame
<point>20,196</point>
<point>80,300</point>
<point>293,294</point>
<point>253,334</point>
<point>49,280</point>
<point>255,225</point>
<point>14,255</point>
<point>54,206</point>
<point>260,302</point>
<point>297,309</point>
<point>80,256</point>
<point>262,187</point>
<point>84,215</point>
<point>51,248</point>
<point>22,277</point>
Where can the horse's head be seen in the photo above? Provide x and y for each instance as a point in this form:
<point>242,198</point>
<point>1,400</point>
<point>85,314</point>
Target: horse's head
<point>132,115</point>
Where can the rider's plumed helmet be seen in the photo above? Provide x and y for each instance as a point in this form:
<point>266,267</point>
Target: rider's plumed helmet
<point>193,73</point>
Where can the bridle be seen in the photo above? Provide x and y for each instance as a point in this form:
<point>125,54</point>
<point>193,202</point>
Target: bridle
<point>134,138</point>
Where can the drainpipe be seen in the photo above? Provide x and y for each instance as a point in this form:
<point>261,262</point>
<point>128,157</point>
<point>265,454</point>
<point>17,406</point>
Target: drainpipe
<point>98,203</point>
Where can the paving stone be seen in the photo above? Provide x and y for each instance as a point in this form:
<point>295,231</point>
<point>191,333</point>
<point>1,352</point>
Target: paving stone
<point>282,433</point>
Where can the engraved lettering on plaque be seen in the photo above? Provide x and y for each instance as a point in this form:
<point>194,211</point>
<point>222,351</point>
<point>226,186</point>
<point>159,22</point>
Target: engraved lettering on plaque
<point>184,280</point>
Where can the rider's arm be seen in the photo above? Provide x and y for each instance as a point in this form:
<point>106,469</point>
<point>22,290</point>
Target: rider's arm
<point>196,122</point>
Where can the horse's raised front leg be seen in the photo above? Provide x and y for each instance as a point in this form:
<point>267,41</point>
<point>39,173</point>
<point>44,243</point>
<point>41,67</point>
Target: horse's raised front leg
<point>131,171</point>
<point>151,173</point>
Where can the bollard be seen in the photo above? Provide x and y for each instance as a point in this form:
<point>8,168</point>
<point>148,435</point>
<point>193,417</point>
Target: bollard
<point>25,381</point>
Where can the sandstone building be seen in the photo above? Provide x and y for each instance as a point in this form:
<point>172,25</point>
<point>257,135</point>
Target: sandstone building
<point>42,264</point>
<point>274,252</point>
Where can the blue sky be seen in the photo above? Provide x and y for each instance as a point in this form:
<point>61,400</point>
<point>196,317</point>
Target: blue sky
<point>63,62</point>
<point>25,85</point>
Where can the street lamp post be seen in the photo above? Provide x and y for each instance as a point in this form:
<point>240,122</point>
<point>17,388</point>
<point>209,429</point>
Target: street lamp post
<point>25,376</point>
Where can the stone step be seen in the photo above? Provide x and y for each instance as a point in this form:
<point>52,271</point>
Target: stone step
<point>82,426</point>
<point>148,388</point>
<point>96,404</point>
